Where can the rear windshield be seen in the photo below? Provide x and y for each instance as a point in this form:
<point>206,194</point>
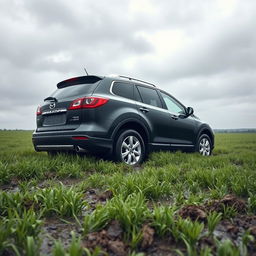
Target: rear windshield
<point>74,90</point>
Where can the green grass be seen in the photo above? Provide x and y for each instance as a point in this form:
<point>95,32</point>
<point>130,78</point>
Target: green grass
<point>152,194</point>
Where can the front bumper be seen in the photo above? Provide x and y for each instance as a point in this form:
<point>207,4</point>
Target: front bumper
<point>67,140</point>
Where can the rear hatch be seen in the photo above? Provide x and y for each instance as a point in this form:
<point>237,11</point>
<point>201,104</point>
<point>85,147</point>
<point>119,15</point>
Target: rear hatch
<point>55,115</point>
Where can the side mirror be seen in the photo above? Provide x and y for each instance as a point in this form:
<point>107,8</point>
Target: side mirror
<point>189,111</point>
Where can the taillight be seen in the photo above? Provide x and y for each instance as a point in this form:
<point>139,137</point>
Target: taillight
<point>76,104</point>
<point>94,102</point>
<point>38,111</point>
<point>88,102</point>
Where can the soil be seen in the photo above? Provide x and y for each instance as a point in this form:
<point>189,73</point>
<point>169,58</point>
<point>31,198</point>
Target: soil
<point>147,236</point>
<point>229,200</point>
<point>95,196</point>
<point>12,186</point>
<point>109,239</point>
<point>56,229</point>
<point>193,212</point>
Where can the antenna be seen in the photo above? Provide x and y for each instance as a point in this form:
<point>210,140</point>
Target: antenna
<point>86,71</point>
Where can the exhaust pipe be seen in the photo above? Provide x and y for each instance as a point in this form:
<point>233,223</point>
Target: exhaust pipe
<point>79,149</point>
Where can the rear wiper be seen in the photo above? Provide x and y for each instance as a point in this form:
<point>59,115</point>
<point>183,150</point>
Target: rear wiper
<point>51,99</point>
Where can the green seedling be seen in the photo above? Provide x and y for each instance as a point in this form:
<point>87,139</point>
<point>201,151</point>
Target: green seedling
<point>226,248</point>
<point>97,220</point>
<point>6,241</point>
<point>32,249</point>
<point>163,220</point>
<point>213,219</point>
<point>136,238</point>
<point>206,251</point>
<point>190,233</point>
<point>58,249</point>
<point>252,203</point>
<point>75,248</point>
<point>247,238</point>
<point>60,201</point>
<point>130,212</point>
<point>25,225</point>
<point>136,254</point>
<point>229,212</point>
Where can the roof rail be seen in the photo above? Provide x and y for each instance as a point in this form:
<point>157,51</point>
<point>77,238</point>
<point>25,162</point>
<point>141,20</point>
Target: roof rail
<point>130,78</point>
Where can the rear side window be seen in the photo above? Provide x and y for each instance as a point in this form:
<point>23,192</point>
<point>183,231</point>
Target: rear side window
<point>150,96</point>
<point>123,89</point>
<point>137,94</point>
<point>74,90</point>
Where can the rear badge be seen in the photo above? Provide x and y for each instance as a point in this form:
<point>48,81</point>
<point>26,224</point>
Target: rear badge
<point>52,105</point>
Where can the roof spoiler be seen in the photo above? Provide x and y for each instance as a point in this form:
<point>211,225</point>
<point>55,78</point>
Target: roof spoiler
<point>79,80</point>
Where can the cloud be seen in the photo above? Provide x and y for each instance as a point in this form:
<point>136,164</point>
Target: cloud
<point>202,52</point>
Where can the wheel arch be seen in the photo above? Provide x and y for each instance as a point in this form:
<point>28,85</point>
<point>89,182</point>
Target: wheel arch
<point>206,130</point>
<point>134,125</point>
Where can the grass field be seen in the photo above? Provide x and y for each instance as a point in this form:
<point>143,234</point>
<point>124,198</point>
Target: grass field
<point>174,204</point>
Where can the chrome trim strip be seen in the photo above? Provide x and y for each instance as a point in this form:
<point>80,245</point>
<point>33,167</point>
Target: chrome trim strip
<point>160,144</point>
<point>55,111</point>
<point>139,103</point>
<point>181,145</point>
<point>171,145</point>
<point>55,146</point>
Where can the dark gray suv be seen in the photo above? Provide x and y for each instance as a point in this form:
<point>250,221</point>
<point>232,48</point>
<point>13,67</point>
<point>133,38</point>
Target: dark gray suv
<point>124,116</point>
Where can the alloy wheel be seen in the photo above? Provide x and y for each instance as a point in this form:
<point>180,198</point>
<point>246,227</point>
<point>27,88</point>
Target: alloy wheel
<point>205,147</point>
<point>131,150</point>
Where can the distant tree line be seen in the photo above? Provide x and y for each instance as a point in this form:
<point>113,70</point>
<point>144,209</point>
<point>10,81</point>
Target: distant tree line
<point>243,130</point>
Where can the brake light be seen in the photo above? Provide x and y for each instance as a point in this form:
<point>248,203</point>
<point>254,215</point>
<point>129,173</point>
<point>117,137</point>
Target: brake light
<point>88,102</point>
<point>80,138</point>
<point>39,111</point>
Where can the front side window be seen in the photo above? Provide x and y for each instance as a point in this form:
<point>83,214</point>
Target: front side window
<point>172,105</point>
<point>123,89</point>
<point>150,96</point>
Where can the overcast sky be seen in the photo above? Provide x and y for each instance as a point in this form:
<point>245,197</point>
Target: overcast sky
<point>202,52</point>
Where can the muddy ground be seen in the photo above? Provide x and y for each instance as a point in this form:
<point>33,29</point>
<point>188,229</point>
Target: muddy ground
<point>111,239</point>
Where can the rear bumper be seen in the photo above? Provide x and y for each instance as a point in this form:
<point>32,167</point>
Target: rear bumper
<point>49,141</point>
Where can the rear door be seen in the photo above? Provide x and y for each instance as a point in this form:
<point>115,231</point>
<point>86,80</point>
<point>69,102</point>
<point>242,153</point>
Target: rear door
<point>151,109</point>
<point>55,109</point>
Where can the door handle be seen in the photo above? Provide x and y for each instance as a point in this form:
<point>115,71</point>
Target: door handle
<point>174,117</point>
<point>145,110</point>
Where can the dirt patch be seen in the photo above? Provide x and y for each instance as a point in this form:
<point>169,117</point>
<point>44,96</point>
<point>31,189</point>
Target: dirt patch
<point>193,212</point>
<point>229,200</point>
<point>31,204</point>
<point>109,239</point>
<point>106,195</point>
<point>94,197</point>
<point>56,229</point>
<point>114,230</point>
<point>70,181</point>
<point>12,187</point>
<point>147,236</point>
<point>163,247</point>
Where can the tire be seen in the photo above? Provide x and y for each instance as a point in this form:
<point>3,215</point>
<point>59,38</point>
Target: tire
<point>130,148</point>
<point>204,145</point>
